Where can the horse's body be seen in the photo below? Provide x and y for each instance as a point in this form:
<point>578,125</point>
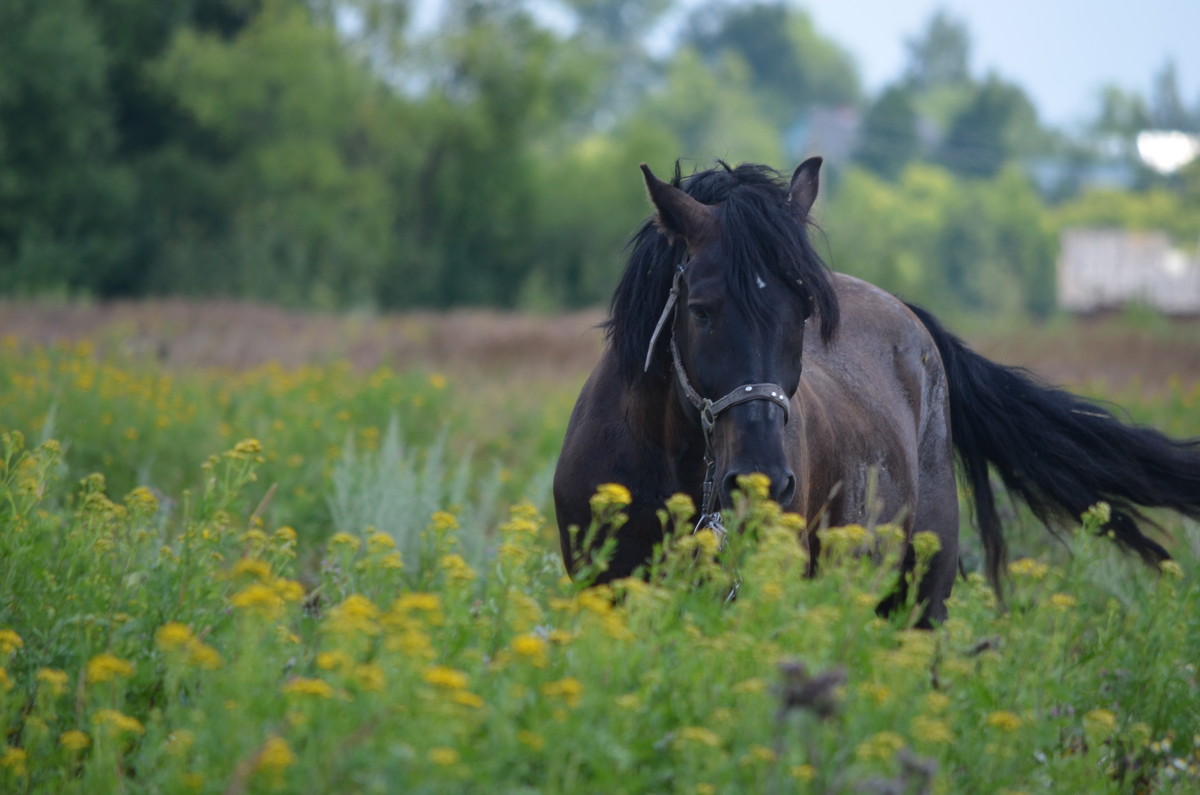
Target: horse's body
<point>866,432</point>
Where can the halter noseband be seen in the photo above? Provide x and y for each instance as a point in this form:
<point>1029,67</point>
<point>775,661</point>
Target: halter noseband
<point>710,410</point>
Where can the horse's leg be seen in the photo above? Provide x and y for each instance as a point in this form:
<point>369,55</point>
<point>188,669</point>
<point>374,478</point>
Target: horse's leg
<point>935,511</point>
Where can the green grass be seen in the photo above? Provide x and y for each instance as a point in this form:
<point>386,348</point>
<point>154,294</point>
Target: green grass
<point>209,583</point>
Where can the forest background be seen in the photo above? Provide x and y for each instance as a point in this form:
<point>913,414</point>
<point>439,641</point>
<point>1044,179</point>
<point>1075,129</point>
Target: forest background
<point>335,154</point>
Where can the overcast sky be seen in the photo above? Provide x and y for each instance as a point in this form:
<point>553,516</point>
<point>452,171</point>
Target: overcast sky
<point>1060,51</point>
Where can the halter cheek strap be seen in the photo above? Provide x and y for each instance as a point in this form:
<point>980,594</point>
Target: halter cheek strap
<point>710,410</point>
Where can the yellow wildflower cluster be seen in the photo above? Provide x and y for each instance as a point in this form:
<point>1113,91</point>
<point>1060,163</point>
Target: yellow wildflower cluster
<point>610,497</point>
<point>1028,568</point>
<point>9,642</point>
<point>356,615</point>
<point>55,681</point>
<point>456,569</point>
<point>570,690</point>
<point>531,649</point>
<point>882,746</point>
<point>302,686</point>
<point>106,667</point>
<point>116,722</point>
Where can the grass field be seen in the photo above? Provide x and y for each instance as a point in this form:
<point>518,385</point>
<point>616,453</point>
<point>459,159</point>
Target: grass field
<point>244,550</point>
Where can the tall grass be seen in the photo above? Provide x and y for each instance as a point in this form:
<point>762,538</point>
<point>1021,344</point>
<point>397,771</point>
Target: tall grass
<point>270,585</point>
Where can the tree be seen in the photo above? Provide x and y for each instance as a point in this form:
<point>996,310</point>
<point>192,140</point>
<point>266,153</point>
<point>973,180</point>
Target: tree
<point>65,199</point>
<point>889,137</point>
<point>791,67</point>
<point>997,125</point>
<point>939,57</point>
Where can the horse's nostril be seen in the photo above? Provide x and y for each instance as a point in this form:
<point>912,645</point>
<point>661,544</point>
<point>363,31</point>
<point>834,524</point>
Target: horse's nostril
<point>785,490</point>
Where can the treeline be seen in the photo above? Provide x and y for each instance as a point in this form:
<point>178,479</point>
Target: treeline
<point>389,154</point>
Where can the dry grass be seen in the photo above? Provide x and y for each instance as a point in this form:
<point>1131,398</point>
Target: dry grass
<point>1112,352</point>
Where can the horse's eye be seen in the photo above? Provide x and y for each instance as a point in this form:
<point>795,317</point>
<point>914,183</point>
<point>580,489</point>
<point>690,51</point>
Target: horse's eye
<point>698,312</point>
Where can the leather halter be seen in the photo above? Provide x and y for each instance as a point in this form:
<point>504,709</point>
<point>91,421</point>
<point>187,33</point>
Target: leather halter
<point>710,410</point>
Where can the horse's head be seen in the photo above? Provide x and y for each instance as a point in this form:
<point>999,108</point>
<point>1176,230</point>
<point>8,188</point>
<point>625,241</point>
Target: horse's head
<point>741,299</point>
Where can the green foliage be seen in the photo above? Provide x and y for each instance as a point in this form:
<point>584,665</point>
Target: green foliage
<point>337,154</point>
<point>200,654</point>
<point>944,242</point>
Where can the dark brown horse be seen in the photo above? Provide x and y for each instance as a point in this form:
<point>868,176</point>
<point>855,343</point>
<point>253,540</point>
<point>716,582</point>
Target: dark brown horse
<point>724,302</point>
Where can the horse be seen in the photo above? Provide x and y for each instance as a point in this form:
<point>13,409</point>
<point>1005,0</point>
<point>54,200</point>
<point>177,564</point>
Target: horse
<point>732,348</point>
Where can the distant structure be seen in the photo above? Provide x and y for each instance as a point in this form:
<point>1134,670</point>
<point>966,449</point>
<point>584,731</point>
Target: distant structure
<point>1105,268</point>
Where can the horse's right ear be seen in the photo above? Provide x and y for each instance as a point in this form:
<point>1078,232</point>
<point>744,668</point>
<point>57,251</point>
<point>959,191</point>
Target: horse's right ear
<point>679,215</point>
<point>804,187</point>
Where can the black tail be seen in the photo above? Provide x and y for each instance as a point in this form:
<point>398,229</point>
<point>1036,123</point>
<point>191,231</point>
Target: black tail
<point>1058,452</point>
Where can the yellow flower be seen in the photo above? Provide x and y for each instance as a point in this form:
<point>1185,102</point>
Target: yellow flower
<point>1099,722</point>
<point>882,746</point>
<point>1028,567</point>
<point>1063,601</point>
<point>357,615</point>
<point>288,590</point>
<point>878,693</point>
<point>74,740</point>
<point>330,660</point>
<point>426,602</point>
<point>55,680</point>
<point>204,656</point>
<point>9,642</point>
<point>105,667</point>
<point>252,567</point>
<point>1171,568</point>
<point>275,756</point>
<point>370,677</point>
<point>757,754</point>
<point>14,760</point>
<point>754,685</point>
<point>344,540</point>
<point>802,772</point>
<point>258,598</point>
<point>301,686</point>
<point>531,740</point>
<point>5,683</point>
<point>378,542</point>
<point>926,544</point>
<point>933,731</point>
<point>456,568</point>
<point>141,501</point>
<point>569,690</point>
<point>467,699</point>
<point>247,447</point>
<point>1004,720</point>
<point>442,676</point>
<point>610,495</point>
<point>285,535</point>
<point>117,721</point>
<point>698,734</point>
<point>445,757</point>
<point>442,522</point>
<point>437,381</point>
<point>531,648</point>
<point>173,636</point>
<point>756,485</point>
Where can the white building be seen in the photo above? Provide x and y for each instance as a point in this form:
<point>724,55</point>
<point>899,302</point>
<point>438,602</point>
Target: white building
<point>1102,268</point>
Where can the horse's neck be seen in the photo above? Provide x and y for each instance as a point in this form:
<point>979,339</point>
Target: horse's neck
<point>656,415</point>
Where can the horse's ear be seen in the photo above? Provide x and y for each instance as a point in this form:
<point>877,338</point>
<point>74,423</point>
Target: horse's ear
<point>678,213</point>
<point>804,187</point>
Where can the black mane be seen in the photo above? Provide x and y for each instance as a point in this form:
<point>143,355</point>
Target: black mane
<point>762,237</point>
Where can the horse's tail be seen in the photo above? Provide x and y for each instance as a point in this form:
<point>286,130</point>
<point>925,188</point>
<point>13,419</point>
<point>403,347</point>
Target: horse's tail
<point>1058,452</point>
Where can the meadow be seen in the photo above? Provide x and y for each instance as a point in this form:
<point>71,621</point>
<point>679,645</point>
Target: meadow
<point>251,551</point>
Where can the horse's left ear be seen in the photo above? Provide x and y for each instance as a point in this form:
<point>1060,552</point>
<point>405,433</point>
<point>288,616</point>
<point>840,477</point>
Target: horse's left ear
<point>804,187</point>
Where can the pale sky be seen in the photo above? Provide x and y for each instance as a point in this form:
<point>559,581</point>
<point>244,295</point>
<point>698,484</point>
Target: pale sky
<point>1060,51</point>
